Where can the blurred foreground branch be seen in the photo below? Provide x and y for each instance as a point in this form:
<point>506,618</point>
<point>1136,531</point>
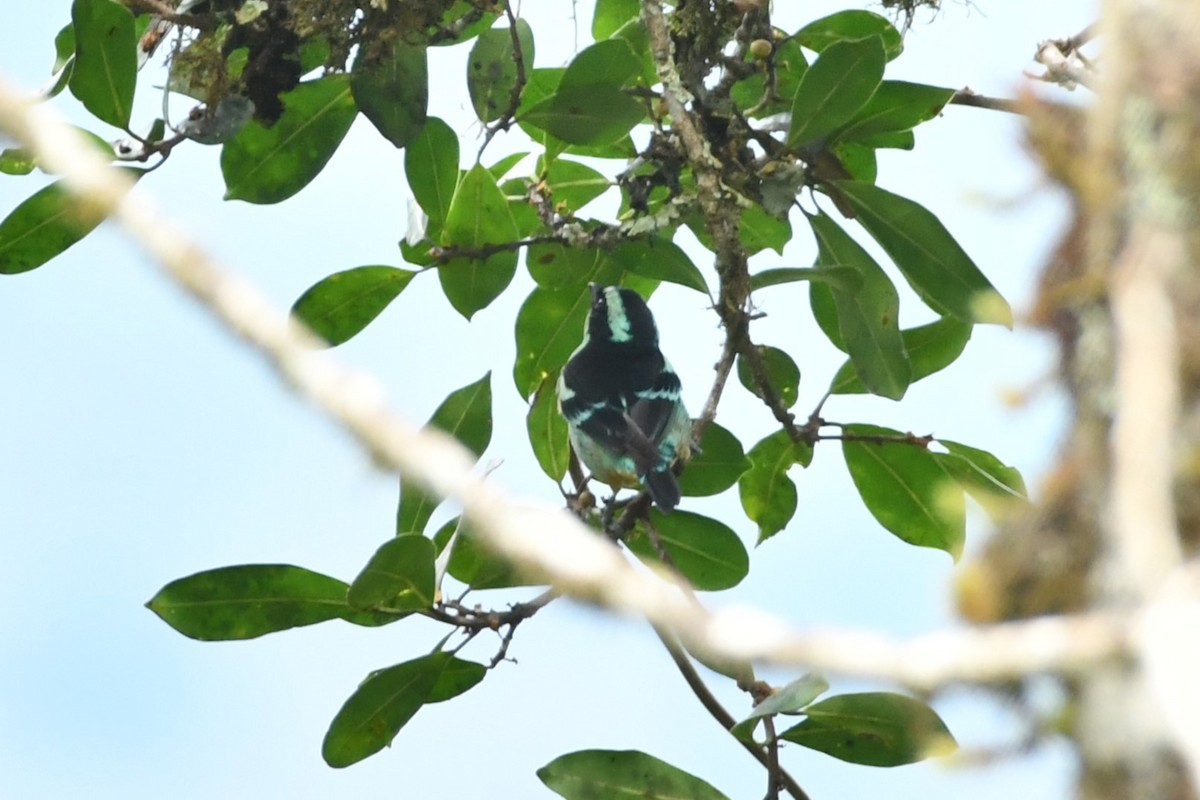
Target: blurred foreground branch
<point>549,543</point>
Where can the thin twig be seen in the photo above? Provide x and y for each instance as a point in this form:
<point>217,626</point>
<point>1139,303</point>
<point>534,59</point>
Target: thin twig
<point>967,97</point>
<point>514,97</point>
<point>718,712</point>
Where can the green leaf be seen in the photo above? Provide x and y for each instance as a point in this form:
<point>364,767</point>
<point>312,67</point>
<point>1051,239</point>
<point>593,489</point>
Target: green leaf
<point>467,416</point>
<point>251,600</point>
<point>549,328</point>
<point>44,225</point>
<point>593,115</point>
<point>548,430</point>
<point>610,63</point>
<point>825,312</point>
<point>845,278</point>
<point>339,306</point>
<point>559,267</point>
<point>835,87</point>
<point>878,729</point>
<point>431,166</point>
<point>705,551</point>
<point>822,33</point>
<point>605,774</point>
<point>105,70</point>
<point>896,106</point>
<point>868,318</point>
<point>715,465</point>
<point>906,489</point>
<point>584,104</point>
<point>768,494</point>
<point>17,161</point>
<point>858,159</point>
<point>476,565</point>
<point>573,185</point>
<point>781,371</point>
<point>458,677</point>
<point>760,231</point>
<point>478,216</point>
<point>64,47</point>
<point>931,348</point>
<point>993,484</point>
<point>267,165</point>
<point>934,264</point>
<point>660,259</point>
<point>393,91</point>
<point>492,69</point>
<point>399,577</point>
<point>610,15</point>
<point>505,165</point>
<point>380,707</point>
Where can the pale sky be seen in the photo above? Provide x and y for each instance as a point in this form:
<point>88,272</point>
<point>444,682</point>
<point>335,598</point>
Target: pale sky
<point>141,444</point>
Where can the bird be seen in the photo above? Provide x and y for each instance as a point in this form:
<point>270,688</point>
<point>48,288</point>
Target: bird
<point>621,399</point>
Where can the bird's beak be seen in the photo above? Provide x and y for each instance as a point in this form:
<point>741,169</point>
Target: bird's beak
<point>597,290</point>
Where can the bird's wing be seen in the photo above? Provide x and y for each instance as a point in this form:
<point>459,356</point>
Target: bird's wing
<point>617,431</point>
<point>652,409</point>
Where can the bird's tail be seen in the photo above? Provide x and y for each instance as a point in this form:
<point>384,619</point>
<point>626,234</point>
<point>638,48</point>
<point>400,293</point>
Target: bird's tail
<point>664,489</point>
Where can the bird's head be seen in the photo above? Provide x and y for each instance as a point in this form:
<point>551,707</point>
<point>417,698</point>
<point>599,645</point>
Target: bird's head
<point>621,317</point>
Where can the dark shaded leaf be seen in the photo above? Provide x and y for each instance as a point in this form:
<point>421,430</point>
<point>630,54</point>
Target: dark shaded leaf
<point>105,70</point>
<point>431,166</point>
<point>835,87</point>
<point>399,577</point>
<point>858,159</point>
<point>705,551</point>
<point>868,318</point>
<point>781,370</point>
<point>854,24</point>
<point>934,264</point>
<point>393,91</point>
<point>267,165</point>
<point>251,600</point>
<point>906,489</point>
<point>768,494</point>
<point>879,729</point>
<point>341,305</point>
<point>492,69</point>
<point>380,706</point>
<point>931,348</point>
<point>715,465</point>
<point>605,774</point>
<point>548,430</point>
